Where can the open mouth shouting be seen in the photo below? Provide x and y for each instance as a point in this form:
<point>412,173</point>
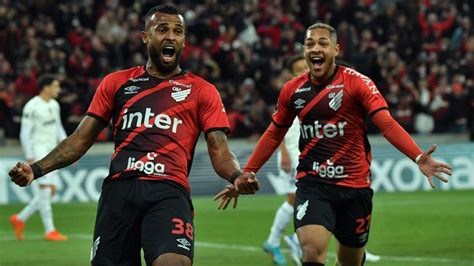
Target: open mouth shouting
<point>168,53</point>
<point>317,62</point>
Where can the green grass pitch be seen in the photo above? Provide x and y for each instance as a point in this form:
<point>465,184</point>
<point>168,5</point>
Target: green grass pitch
<point>422,228</point>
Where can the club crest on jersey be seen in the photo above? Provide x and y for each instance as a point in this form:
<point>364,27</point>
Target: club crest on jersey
<point>131,89</point>
<point>299,103</point>
<point>336,100</point>
<point>179,94</point>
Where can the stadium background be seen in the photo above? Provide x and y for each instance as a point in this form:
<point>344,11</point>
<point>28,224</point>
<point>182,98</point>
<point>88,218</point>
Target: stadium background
<point>420,54</point>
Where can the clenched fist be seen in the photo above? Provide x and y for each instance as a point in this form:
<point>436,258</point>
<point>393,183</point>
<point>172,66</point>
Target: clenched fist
<point>21,174</point>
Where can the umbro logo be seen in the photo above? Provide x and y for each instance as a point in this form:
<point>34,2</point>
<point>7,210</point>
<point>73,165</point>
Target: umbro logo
<point>363,238</point>
<point>183,243</point>
<point>180,95</point>
<point>131,90</point>
<point>299,103</point>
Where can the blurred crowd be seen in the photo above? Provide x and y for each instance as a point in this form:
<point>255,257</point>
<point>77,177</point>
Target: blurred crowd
<point>420,54</point>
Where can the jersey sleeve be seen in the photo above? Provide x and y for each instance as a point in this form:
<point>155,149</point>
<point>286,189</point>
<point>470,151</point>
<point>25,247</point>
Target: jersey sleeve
<point>283,116</point>
<point>212,114</point>
<point>102,103</point>
<point>26,129</point>
<point>369,95</point>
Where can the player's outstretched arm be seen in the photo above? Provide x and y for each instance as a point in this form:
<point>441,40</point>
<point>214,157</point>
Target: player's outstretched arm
<point>430,167</point>
<point>68,151</point>
<point>226,165</point>
<point>399,138</point>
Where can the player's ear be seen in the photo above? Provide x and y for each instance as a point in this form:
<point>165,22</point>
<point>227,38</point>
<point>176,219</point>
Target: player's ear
<point>336,49</point>
<point>144,36</point>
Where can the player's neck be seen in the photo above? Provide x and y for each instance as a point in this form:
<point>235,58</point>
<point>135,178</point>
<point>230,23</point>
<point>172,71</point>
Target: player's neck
<point>328,76</point>
<point>43,95</point>
<point>153,71</point>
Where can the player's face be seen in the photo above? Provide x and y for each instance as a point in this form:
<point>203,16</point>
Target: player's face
<point>299,67</point>
<point>164,38</point>
<point>54,89</point>
<point>320,51</point>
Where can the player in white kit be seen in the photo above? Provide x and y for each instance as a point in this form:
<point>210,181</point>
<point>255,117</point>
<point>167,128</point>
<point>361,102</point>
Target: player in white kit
<point>41,130</point>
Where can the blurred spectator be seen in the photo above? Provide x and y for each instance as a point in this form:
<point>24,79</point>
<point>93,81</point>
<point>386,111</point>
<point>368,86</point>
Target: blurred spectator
<point>241,45</point>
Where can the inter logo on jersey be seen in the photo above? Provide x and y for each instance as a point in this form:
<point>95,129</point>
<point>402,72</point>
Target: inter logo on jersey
<point>336,100</point>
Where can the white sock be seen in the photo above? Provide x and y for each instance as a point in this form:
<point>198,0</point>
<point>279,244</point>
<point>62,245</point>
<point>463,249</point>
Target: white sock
<point>45,210</point>
<point>283,217</point>
<point>29,209</point>
<point>295,237</point>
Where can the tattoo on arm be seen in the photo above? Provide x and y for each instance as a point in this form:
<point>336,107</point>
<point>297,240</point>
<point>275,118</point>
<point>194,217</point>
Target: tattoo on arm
<point>223,160</point>
<point>216,138</point>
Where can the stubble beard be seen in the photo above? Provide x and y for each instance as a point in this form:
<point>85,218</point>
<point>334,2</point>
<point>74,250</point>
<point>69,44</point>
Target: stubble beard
<point>162,68</point>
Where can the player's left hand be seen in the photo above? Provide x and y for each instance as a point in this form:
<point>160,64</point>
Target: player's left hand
<point>430,167</point>
<point>226,196</point>
<point>246,183</point>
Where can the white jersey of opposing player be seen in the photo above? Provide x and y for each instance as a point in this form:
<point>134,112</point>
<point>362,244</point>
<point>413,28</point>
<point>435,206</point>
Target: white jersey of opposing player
<point>291,143</point>
<point>41,128</point>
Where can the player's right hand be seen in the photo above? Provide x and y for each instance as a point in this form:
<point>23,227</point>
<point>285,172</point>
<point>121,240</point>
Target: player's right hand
<point>21,174</point>
<point>226,197</point>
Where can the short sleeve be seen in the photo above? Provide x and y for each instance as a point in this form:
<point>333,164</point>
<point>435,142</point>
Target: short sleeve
<point>102,103</point>
<point>212,114</point>
<point>369,96</point>
<point>283,116</point>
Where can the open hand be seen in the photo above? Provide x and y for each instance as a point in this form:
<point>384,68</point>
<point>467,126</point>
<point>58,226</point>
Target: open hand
<point>430,167</point>
<point>226,196</point>
<point>21,174</point>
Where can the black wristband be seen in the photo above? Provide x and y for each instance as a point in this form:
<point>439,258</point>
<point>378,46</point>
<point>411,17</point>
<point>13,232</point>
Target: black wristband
<point>37,173</point>
<point>234,176</point>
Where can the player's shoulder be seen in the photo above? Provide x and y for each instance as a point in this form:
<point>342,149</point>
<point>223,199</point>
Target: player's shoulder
<point>296,82</point>
<point>198,80</point>
<point>195,81</point>
<point>32,103</point>
<point>54,103</point>
<point>352,74</point>
<point>122,76</point>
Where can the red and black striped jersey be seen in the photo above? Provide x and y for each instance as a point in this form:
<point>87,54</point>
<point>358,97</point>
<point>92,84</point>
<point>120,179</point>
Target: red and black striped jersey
<point>333,140</point>
<point>156,122</point>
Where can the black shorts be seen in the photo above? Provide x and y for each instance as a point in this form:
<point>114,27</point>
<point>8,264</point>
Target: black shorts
<point>344,211</point>
<point>133,214</point>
